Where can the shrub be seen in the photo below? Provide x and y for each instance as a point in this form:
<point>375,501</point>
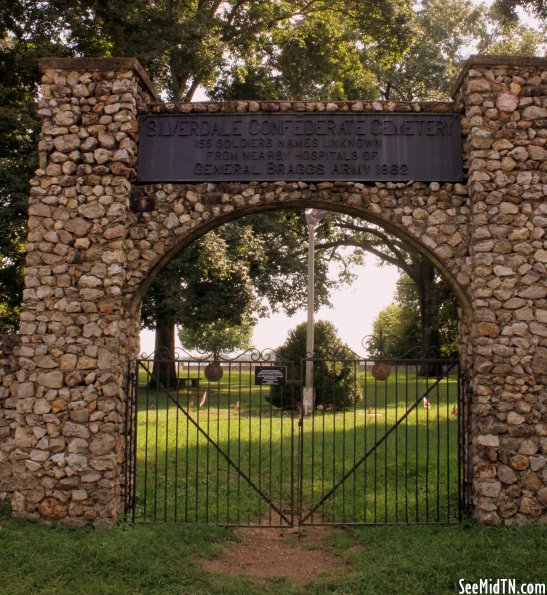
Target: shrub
<point>334,370</point>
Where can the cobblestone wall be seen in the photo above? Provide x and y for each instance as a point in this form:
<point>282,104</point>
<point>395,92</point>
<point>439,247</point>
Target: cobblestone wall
<point>92,253</point>
<point>67,444</point>
<point>505,107</point>
<point>8,414</point>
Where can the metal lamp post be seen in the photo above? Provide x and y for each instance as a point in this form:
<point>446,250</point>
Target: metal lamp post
<point>313,218</point>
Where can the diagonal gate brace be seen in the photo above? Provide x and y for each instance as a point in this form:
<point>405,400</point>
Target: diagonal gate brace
<point>372,449</point>
<point>216,446</point>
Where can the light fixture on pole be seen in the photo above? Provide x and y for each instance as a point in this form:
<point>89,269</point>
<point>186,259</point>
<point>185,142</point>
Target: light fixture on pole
<point>313,218</point>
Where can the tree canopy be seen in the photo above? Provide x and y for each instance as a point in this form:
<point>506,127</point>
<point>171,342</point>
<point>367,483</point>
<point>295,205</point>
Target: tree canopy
<point>507,9</point>
<point>187,43</point>
<point>418,57</point>
<point>18,140</point>
<point>216,337</point>
<point>396,330</point>
<point>246,268</point>
<point>303,49</point>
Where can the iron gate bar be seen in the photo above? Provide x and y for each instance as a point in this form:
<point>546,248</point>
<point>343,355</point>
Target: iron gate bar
<point>240,472</point>
<point>463,446</point>
<point>134,422</point>
<point>460,453</point>
<point>374,448</point>
<point>427,455</point>
<point>130,442</point>
<point>417,459</point>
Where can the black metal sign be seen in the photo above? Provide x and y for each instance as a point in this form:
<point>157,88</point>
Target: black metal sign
<point>271,375</point>
<point>311,147</point>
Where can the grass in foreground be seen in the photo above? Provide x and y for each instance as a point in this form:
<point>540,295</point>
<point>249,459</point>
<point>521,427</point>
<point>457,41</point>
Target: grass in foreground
<point>157,559</point>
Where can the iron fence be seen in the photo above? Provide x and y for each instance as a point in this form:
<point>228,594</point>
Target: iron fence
<point>384,444</point>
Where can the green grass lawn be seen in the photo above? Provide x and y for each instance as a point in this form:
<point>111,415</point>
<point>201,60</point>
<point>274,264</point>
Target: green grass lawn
<point>160,559</point>
<point>239,460</point>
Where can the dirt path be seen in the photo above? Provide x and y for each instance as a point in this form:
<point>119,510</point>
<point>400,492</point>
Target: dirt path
<point>276,553</point>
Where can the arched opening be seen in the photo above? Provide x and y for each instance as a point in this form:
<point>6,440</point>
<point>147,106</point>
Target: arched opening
<point>192,235</point>
<point>398,427</point>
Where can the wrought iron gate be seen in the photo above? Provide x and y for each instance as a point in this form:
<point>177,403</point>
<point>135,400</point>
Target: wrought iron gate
<point>384,444</point>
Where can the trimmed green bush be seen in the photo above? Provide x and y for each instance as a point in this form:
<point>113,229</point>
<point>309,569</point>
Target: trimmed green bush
<point>334,371</point>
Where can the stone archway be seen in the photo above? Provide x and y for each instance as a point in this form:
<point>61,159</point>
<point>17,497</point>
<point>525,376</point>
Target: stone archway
<point>96,239</point>
<point>431,233</point>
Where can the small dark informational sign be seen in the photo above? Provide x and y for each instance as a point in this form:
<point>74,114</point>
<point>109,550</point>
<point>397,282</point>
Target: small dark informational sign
<point>310,147</point>
<point>271,375</point>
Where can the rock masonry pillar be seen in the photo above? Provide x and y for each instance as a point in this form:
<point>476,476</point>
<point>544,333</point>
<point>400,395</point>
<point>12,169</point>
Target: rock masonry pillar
<point>505,112</point>
<point>66,464</point>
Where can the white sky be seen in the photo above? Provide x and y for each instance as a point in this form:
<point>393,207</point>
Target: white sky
<point>354,308</point>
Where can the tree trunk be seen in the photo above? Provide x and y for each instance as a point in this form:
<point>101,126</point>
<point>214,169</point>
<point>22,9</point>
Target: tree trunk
<point>164,373</point>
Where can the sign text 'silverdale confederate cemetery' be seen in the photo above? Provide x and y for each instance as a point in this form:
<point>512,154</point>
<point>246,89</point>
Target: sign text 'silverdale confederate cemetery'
<point>364,147</point>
